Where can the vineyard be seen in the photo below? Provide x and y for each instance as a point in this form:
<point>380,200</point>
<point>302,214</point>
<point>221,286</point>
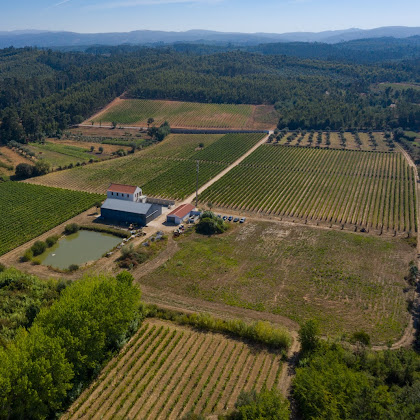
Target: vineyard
<point>336,140</point>
<point>369,189</point>
<point>166,371</point>
<point>27,211</point>
<point>156,172</point>
<point>136,112</point>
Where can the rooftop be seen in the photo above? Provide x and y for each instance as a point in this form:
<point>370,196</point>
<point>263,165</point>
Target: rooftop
<point>126,206</point>
<point>182,210</point>
<point>126,189</point>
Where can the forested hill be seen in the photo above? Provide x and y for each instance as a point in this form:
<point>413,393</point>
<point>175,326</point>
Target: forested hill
<point>42,92</point>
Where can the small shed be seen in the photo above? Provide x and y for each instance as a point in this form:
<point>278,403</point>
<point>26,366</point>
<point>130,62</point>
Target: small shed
<point>181,213</point>
<point>123,211</point>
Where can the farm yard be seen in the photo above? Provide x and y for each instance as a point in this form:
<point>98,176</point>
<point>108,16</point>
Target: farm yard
<point>370,190</point>
<point>135,112</point>
<point>167,169</point>
<point>166,371</point>
<point>347,281</point>
<point>27,211</point>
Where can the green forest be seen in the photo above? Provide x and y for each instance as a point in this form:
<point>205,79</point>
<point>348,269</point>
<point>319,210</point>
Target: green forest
<point>43,92</point>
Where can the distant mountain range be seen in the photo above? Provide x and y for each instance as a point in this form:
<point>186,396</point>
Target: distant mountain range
<point>71,39</point>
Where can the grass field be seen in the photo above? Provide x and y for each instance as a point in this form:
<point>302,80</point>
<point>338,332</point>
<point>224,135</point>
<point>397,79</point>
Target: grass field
<point>167,169</point>
<point>348,281</point>
<point>135,112</point>
<point>369,189</point>
<point>27,211</point>
<point>58,154</point>
<point>166,371</point>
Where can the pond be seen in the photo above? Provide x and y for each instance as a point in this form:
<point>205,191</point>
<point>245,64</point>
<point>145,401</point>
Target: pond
<point>79,248</point>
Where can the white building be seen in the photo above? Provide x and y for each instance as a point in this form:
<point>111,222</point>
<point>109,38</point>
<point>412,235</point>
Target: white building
<point>126,192</point>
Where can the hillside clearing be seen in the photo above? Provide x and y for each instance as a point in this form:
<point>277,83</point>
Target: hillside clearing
<point>136,112</point>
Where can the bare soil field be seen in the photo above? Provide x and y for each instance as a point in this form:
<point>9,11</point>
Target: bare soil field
<point>166,371</point>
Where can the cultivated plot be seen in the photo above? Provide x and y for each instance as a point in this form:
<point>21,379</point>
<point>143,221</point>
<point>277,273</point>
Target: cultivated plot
<point>27,211</point>
<point>372,190</point>
<point>336,140</point>
<point>166,371</point>
<point>136,112</point>
<point>165,170</point>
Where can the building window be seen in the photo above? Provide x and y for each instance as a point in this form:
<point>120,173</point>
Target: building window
<point>112,193</point>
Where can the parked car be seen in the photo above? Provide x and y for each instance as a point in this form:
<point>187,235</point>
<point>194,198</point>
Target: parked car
<point>242,220</point>
<point>219,216</point>
<point>230,218</point>
<point>224,217</point>
<point>236,219</point>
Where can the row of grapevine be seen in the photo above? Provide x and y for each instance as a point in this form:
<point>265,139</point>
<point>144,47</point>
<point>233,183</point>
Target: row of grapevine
<point>27,211</point>
<point>158,176</point>
<point>369,189</point>
<point>166,371</point>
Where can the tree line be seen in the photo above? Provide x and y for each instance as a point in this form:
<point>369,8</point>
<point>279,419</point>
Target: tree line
<point>44,92</point>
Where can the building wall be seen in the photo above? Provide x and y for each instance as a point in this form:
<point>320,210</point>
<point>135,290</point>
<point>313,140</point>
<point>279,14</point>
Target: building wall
<point>124,217</point>
<point>124,196</point>
<point>127,217</point>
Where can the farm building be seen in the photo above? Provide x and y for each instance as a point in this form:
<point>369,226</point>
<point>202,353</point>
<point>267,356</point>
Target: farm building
<point>127,204</point>
<point>129,211</point>
<point>181,213</point>
<point>126,192</point>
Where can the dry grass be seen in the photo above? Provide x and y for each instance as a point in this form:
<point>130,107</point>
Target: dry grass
<point>347,281</point>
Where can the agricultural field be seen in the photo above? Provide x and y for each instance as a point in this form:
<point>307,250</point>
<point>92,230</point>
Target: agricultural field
<point>334,141</point>
<point>135,112</point>
<point>59,154</point>
<point>348,281</point>
<point>369,190</point>
<point>167,169</point>
<point>9,159</point>
<point>27,211</point>
<point>166,371</point>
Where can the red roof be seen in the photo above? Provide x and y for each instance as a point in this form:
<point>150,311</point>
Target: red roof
<point>127,189</point>
<point>182,210</point>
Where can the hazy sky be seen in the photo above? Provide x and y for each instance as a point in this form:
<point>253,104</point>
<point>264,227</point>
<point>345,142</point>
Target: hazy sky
<point>222,15</point>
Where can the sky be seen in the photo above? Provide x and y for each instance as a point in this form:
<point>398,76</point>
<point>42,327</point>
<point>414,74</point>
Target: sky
<point>275,16</point>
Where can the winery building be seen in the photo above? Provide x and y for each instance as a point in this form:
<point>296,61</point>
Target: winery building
<point>126,204</point>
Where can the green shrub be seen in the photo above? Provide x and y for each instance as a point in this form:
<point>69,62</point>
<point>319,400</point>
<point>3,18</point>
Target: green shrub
<point>73,267</point>
<point>51,240</point>
<point>267,405</point>
<point>258,332</point>
<point>36,261</point>
<point>2,268</point>
<point>71,228</point>
<point>38,248</point>
<point>27,256</point>
<point>209,224</point>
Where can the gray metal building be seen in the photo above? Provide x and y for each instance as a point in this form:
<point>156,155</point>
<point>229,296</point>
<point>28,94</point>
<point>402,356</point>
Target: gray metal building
<point>129,211</point>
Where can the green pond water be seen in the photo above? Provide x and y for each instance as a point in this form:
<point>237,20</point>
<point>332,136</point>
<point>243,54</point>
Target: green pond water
<point>79,248</point>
